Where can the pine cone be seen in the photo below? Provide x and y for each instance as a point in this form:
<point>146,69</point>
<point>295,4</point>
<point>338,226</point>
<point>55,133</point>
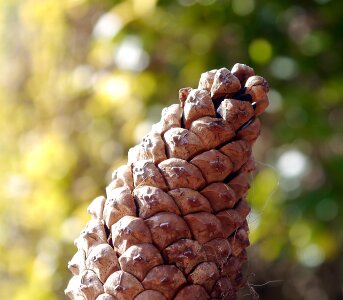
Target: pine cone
<point>173,224</point>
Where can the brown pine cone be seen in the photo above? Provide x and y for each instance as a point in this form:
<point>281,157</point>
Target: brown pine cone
<point>173,223</point>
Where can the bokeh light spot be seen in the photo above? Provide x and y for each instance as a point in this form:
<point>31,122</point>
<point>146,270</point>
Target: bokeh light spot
<point>312,44</point>
<point>82,77</point>
<point>292,163</point>
<point>275,101</point>
<point>311,255</point>
<point>108,26</point>
<point>300,234</point>
<point>130,55</point>
<point>260,51</point>
<point>284,68</point>
<point>143,7</point>
<point>17,186</point>
<point>115,88</point>
<point>243,7</point>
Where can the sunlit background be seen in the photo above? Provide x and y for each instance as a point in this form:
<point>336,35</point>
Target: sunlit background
<point>82,80</point>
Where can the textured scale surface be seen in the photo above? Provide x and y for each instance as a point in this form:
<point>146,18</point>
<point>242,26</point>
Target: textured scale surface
<point>173,222</point>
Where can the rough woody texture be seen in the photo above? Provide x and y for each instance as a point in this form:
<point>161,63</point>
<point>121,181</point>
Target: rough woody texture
<point>173,222</point>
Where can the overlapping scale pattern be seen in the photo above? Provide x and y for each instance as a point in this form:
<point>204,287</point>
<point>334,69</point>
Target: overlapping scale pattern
<point>173,222</point>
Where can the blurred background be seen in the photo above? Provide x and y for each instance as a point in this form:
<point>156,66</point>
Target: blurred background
<point>82,80</point>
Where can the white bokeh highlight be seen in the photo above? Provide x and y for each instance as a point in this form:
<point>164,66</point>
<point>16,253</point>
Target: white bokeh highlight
<point>108,26</point>
<point>292,163</point>
<point>130,55</point>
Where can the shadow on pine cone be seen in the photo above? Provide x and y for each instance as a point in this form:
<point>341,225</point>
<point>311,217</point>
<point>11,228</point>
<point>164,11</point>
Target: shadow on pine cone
<point>173,224</point>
